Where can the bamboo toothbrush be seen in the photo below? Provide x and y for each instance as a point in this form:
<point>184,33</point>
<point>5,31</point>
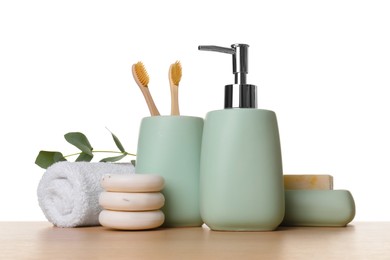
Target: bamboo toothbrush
<point>174,79</point>
<point>141,77</point>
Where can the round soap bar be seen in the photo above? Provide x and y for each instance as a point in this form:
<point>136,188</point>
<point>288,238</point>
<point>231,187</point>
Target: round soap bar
<point>131,220</point>
<point>132,182</point>
<point>131,201</point>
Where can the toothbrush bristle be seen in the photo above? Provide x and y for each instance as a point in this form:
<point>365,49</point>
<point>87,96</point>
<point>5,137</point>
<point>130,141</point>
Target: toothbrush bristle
<point>142,74</point>
<point>176,73</point>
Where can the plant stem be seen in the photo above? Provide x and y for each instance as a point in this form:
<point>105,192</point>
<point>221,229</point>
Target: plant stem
<point>73,154</point>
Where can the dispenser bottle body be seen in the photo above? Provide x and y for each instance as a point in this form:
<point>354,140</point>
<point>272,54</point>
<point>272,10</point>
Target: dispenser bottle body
<point>241,179</point>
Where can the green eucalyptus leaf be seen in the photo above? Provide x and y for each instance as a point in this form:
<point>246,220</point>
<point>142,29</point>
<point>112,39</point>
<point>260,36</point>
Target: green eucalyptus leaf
<point>113,159</point>
<point>47,158</point>
<point>80,141</point>
<point>117,142</point>
<point>84,157</point>
<point>133,162</point>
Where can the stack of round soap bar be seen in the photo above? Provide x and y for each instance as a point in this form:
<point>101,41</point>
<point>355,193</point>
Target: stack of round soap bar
<point>132,201</point>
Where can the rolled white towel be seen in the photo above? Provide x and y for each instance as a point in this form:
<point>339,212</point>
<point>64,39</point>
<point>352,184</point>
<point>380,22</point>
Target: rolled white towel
<point>68,192</point>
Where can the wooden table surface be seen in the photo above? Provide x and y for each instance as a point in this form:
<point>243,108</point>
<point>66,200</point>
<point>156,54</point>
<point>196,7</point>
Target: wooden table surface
<point>40,240</point>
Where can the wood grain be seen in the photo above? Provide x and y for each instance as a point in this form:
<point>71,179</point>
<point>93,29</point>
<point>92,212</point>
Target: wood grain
<point>40,240</point>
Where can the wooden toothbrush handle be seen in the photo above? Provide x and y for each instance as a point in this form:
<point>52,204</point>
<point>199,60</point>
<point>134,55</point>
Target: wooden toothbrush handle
<point>149,101</point>
<point>174,100</point>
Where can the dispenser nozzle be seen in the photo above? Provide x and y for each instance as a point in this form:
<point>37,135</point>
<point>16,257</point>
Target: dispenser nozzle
<point>216,49</point>
<point>240,59</point>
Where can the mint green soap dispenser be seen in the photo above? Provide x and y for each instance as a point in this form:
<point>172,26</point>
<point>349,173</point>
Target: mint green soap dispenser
<point>241,177</point>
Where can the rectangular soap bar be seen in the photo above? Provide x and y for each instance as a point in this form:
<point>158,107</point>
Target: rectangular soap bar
<point>308,182</point>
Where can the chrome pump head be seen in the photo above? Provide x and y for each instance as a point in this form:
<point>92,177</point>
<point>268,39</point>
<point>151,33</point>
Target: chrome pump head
<point>240,94</point>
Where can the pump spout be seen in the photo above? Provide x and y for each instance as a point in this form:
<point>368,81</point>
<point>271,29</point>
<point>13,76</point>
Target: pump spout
<point>240,59</point>
<point>216,49</point>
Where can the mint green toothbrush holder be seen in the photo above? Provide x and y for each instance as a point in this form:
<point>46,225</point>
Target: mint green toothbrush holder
<point>241,177</point>
<point>170,146</point>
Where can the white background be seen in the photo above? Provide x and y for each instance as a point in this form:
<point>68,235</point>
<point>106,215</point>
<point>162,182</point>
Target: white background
<point>322,66</point>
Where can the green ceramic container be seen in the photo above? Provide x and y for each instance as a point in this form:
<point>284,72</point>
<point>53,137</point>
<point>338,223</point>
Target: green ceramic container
<point>318,208</point>
<point>170,146</point>
<point>241,179</point>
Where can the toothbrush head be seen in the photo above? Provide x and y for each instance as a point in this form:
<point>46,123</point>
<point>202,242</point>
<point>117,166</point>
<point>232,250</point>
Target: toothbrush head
<point>175,73</point>
<point>141,74</point>
<point>141,77</point>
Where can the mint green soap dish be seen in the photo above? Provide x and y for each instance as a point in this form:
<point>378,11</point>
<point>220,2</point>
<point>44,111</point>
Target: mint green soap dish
<point>318,208</point>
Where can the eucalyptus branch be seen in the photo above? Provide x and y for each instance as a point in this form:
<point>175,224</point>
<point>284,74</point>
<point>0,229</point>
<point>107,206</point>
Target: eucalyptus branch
<point>79,140</point>
<point>94,151</point>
